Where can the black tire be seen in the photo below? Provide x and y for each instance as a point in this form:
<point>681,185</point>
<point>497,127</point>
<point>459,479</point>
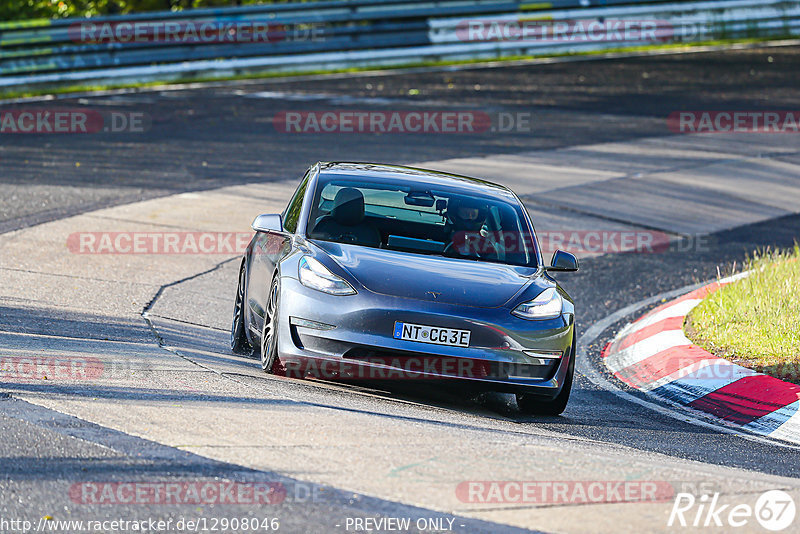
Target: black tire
<point>269,333</point>
<point>239,342</point>
<point>532,405</point>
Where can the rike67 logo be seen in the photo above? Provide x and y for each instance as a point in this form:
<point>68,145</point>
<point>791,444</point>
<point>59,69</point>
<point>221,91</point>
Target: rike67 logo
<point>774,510</point>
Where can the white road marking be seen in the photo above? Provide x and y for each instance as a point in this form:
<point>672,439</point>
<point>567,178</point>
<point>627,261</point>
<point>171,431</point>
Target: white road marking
<point>676,310</point>
<point>645,349</point>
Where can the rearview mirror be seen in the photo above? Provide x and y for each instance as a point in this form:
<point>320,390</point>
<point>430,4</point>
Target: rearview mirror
<point>419,198</point>
<point>563,261</point>
<point>268,223</point>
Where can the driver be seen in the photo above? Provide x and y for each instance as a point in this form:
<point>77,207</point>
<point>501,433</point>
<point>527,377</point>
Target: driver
<point>467,220</point>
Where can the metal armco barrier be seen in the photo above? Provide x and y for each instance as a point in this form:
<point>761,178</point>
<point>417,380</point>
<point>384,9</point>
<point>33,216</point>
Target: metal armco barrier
<point>310,36</point>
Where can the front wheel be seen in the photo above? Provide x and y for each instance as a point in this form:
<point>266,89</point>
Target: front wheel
<point>239,341</point>
<point>531,405</point>
<point>269,333</point>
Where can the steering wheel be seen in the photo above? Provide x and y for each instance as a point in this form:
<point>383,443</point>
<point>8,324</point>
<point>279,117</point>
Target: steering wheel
<point>452,251</point>
<point>347,238</point>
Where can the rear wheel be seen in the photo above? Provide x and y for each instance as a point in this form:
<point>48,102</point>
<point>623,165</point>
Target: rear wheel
<point>239,342</point>
<point>532,405</point>
<point>269,333</point>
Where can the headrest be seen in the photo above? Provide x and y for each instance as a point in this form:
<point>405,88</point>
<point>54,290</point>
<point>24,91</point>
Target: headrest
<point>348,206</point>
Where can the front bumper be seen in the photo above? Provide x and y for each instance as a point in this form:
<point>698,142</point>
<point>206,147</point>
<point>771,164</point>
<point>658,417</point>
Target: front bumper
<point>506,353</point>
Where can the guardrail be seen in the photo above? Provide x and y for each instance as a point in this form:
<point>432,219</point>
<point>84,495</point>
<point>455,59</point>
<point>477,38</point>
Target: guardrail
<point>338,34</point>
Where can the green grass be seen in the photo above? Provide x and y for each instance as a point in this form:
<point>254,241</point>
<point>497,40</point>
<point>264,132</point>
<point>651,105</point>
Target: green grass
<point>90,87</point>
<point>755,321</point>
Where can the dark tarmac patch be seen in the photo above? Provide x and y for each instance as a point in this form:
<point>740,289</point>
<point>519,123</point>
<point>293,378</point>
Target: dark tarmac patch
<point>212,137</point>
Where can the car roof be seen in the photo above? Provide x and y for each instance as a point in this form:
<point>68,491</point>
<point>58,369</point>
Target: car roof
<point>387,173</point>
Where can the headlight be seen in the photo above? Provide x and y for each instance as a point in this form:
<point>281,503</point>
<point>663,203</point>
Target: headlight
<point>316,276</point>
<point>545,306</point>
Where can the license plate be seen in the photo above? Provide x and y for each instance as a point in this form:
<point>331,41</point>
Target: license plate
<point>431,334</point>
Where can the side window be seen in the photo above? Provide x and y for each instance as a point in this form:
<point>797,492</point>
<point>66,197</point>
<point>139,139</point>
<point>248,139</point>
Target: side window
<point>292,213</point>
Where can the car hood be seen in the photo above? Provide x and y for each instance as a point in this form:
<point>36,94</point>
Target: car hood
<point>430,278</point>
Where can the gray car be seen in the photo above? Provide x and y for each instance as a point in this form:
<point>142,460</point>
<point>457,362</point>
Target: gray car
<point>381,272</point>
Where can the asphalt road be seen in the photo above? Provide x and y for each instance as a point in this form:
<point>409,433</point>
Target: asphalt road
<point>202,139</point>
<point>207,138</point>
<point>603,285</point>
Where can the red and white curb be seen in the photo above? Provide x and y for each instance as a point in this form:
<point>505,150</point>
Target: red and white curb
<point>653,355</point>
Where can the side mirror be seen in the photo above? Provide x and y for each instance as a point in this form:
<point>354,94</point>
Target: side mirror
<point>563,261</point>
<point>268,223</point>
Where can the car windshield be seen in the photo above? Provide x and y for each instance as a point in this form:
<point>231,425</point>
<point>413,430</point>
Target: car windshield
<point>415,218</point>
